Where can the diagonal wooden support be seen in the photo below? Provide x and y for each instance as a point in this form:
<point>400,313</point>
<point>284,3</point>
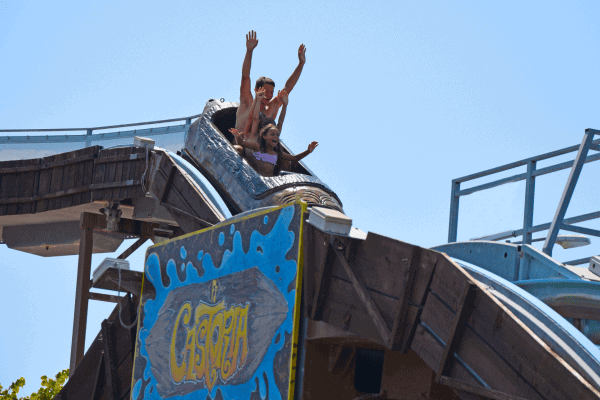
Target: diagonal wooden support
<point>132,248</point>
<point>477,390</point>
<point>96,390</point>
<point>110,366</point>
<point>322,282</point>
<point>466,303</point>
<point>81,296</point>
<point>399,330</point>
<point>168,183</point>
<point>364,295</point>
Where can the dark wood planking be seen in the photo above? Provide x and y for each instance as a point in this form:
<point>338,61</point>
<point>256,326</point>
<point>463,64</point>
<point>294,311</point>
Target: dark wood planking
<point>119,172</point>
<point>400,328</point>
<point>68,182</point>
<point>137,168</point>
<point>494,370</point>
<point>27,183</point>
<point>360,289</point>
<point>423,276</point>
<point>315,250</point>
<point>457,327</point>
<point>474,351</point>
<point>512,340</point>
<point>173,188</point>
<point>98,177</point>
<point>320,279</point>
<point>9,189</point>
<point>109,173</point>
<point>56,184</point>
<point>125,165</point>
<point>526,352</point>
<point>110,364</point>
<point>91,376</point>
<point>477,390</point>
<point>44,185</point>
<point>448,282</point>
<point>81,385</point>
<point>391,257</point>
<point>346,311</point>
<point>124,373</point>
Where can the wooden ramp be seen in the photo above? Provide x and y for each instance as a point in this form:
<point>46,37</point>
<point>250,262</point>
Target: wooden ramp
<point>105,371</point>
<point>44,194</point>
<point>385,294</point>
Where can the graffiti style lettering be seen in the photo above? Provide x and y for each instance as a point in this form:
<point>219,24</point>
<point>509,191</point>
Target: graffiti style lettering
<point>216,345</point>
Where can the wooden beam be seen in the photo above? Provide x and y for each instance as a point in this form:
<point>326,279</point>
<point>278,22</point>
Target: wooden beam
<point>132,248</point>
<point>168,183</point>
<point>364,296</point>
<point>401,328</point>
<point>110,367</point>
<point>127,157</point>
<point>462,314</point>
<point>186,221</point>
<point>322,281</point>
<point>478,390</point>
<point>81,297</point>
<point>96,392</point>
<point>127,226</point>
<point>104,297</point>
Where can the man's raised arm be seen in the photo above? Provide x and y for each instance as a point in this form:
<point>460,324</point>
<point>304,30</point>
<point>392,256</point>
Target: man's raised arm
<point>245,92</point>
<point>291,82</point>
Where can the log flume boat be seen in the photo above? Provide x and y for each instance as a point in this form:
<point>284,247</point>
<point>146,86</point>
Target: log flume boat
<point>374,317</point>
<point>208,147</point>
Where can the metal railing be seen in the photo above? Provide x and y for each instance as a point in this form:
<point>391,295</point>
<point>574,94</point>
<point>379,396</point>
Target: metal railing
<point>90,137</point>
<point>559,222</point>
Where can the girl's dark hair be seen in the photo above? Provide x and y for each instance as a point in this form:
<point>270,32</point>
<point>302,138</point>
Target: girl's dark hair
<point>262,143</point>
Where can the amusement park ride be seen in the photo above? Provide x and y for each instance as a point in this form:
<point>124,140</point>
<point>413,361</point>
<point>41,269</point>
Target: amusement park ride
<point>259,288</point>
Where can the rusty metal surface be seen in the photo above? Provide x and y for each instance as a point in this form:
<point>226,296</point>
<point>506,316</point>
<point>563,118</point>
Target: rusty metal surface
<point>236,180</point>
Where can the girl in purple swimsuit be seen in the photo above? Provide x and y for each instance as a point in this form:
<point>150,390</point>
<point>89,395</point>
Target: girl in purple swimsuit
<point>268,156</point>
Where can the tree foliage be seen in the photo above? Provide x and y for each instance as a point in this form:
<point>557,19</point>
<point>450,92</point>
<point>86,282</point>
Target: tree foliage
<point>49,389</point>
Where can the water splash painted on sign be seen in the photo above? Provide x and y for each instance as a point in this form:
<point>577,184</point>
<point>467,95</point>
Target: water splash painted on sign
<point>266,252</point>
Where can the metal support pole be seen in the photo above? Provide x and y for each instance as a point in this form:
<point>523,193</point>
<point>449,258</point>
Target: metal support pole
<point>453,226</point>
<point>88,138</point>
<point>568,192</point>
<point>529,195</point>
<point>81,297</point>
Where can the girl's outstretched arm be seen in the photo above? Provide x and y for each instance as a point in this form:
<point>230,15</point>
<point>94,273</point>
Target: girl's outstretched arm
<point>284,97</point>
<point>260,95</point>
<point>238,136</point>
<point>298,157</point>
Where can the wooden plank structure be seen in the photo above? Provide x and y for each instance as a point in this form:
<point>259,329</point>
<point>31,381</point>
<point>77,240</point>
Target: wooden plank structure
<point>95,174</point>
<point>385,294</point>
<point>105,371</point>
<point>384,319</point>
<point>75,181</point>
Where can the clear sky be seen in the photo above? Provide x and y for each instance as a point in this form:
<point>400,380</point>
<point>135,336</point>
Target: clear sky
<point>401,96</point>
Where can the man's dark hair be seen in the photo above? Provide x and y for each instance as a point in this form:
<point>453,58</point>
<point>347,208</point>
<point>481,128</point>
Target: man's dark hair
<point>262,81</point>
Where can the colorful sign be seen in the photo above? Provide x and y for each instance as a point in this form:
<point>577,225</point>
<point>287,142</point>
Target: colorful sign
<point>218,315</point>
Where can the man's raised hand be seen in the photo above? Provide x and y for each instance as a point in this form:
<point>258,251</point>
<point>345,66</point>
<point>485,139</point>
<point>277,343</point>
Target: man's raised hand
<point>312,146</point>
<point>251,41</point>
<point>302,54</point>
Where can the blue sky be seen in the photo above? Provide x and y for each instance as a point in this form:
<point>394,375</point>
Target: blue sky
<point>401,96</point>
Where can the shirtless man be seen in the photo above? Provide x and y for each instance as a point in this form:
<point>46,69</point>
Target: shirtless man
<point>269,105</point>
